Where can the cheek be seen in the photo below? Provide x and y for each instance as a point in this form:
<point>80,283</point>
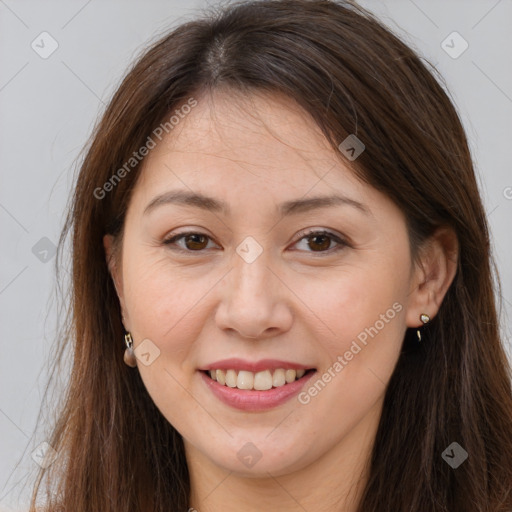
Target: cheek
<point>164,306</point>
<point>365,312</point>
<point>163,302</point>
<point>357,302</point>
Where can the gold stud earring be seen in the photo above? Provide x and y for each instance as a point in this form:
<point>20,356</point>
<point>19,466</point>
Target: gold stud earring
<point>425,319</point>
<point>129,355</point>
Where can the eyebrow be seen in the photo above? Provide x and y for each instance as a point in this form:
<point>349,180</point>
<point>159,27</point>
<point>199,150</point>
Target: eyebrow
<point>293,207</point>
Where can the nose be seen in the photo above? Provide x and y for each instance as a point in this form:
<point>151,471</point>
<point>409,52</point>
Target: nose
<point>254,301</point>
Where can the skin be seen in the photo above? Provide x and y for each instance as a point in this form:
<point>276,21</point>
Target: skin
<point>294,302</point>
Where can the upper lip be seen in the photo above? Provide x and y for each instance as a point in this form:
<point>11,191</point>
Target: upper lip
<point>254,366</point>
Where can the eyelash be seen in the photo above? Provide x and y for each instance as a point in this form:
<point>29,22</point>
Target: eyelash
<point>341,243</point>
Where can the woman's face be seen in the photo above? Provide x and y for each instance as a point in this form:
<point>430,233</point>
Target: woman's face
<point>255,294</point>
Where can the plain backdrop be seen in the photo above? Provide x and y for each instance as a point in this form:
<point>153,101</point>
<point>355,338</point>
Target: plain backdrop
<point>48,106</point>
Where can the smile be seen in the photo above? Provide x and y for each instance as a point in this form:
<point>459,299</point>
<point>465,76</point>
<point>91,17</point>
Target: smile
<point>260,381</point>
<point>255,386</point>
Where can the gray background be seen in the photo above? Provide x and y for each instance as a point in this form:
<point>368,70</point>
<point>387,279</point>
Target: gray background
<point>49,106</point>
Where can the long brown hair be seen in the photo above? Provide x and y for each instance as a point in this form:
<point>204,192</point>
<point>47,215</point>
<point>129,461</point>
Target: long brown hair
<point>342,66</point>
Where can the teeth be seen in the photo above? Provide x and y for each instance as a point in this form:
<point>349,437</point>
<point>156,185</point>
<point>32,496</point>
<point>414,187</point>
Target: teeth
<point>221,377</point>
<point>245,380</point>
<point>290,375</point>
<point>278,379</point>
<point>231,378</point>
<point>261,381</point>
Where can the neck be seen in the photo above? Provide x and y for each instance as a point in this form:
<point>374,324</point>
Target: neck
<point>334,482</point>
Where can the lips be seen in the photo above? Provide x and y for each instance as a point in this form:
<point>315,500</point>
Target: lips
<point>255,386</point>
<point>254,366</point>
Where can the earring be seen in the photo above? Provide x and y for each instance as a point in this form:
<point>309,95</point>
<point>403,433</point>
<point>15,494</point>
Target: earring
<point>129,355</point>
<point>425,319</point>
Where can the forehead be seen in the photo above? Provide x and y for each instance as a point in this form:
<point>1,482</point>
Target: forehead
<point>233,122</point>
<point>257,145</point>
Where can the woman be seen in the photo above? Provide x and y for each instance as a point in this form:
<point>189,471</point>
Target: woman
<point>282,288</point>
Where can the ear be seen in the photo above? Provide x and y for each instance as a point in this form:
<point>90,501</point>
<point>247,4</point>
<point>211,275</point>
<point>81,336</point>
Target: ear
<point>433,275</point>
<point>114,268</point>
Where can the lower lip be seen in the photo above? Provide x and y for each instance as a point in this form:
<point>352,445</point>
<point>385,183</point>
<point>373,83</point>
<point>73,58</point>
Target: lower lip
<point>252,400</point>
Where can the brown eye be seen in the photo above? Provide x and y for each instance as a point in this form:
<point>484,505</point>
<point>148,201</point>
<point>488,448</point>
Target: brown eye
<point>195,242</point>
<point>192,242</point>
<point>317,242</point>
<point>320,242</point>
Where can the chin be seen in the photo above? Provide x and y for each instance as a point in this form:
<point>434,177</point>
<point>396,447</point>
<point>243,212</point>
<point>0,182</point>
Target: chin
<point>259,457</point>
